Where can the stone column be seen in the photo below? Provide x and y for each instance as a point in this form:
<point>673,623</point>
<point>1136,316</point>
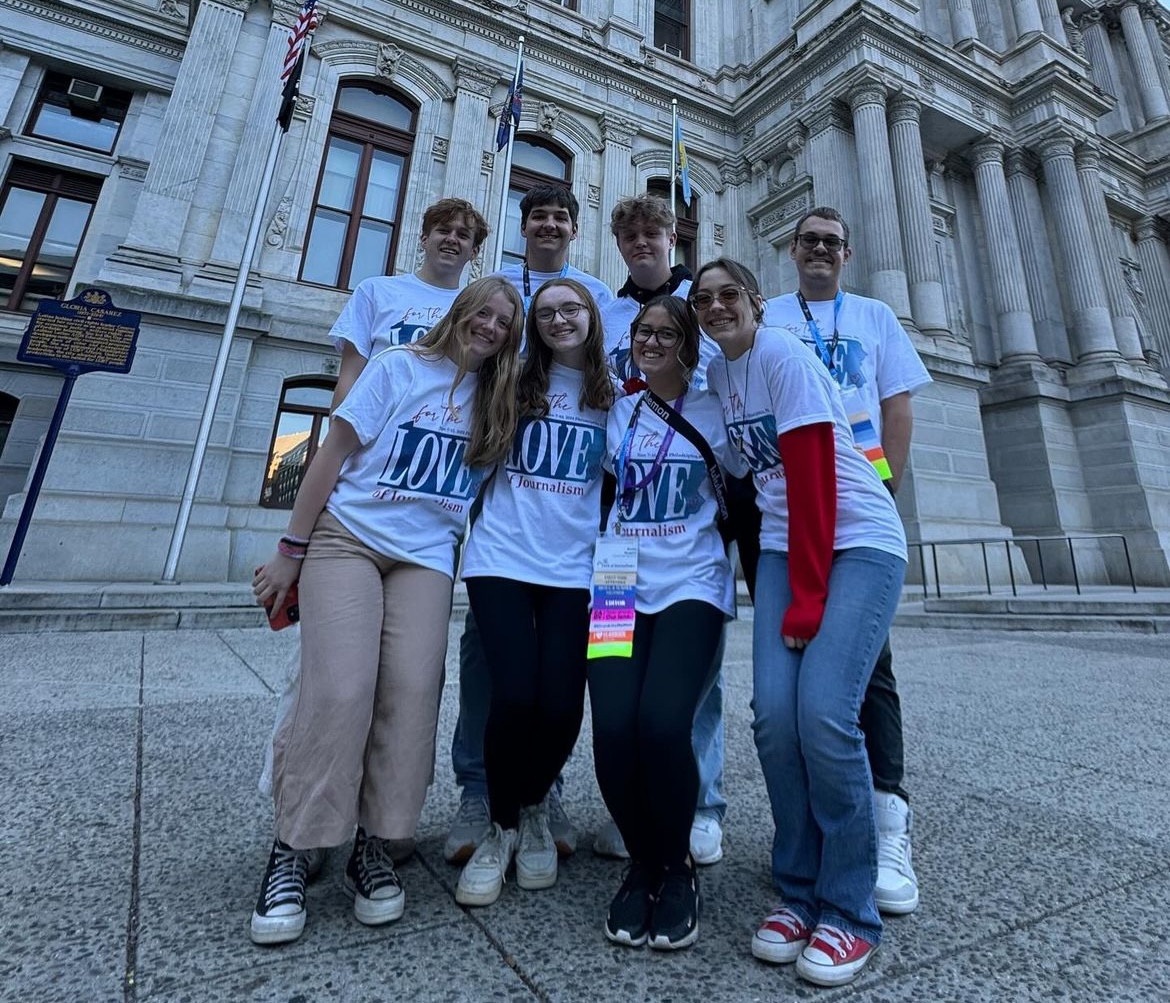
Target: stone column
<point>1028,19</point>
<point>883,241</point>
<point>160,214</point>
<point>1035,255</point>
<point>469,131</point>
<point>617,181</point>
<point>1092,331</point>
<point>12,67</point>
<point>1153,95</point>
<point>1154,34</point>
<point>1125,328</point>
<point>1050,16</point>
<point>1104,72</point>
<point>922,268</point>
<point>1155,283</point>
<point>1017,336</point>
<point>963,20</point>
<point>828,158</point>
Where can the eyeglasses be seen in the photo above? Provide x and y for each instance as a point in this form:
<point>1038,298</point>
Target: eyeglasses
<point>810,240</point>
<point>728,296</point>
<point>567,310</point>
<point>666,336</point>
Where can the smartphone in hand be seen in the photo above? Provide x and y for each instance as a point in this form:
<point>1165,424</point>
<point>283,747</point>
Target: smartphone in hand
<point>288,614</point>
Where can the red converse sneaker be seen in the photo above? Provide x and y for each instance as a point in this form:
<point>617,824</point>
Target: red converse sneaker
<point>781,937</point>
<point>833,957</point>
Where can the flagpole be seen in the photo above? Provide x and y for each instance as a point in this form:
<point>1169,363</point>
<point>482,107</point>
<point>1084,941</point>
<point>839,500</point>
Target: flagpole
<point>673,155</point>
<point>498,253</point>
<point>225,346</point>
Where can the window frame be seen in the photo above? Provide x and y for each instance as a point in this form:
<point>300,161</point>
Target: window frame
<point>326,384</point>
<point>684,25</point>
<point>9,405</point>
<point>39,103</point>
<point>373,137</point>
<point>58,182</point>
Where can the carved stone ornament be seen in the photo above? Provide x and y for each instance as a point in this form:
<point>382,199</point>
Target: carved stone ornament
<point>242,5</point>
<point>1072,31</point>
<point>547,118</point>
<point>275,234</point>
<point>304,105</point>
<point>594,196</point>
<point>170,8</point>
<point>135,170</point>
<point>487,161</point>
<point>386,62</point>
<point>719,232</point>
<point>519,6</point>
<point>439,147</point>
<point>615,129</point>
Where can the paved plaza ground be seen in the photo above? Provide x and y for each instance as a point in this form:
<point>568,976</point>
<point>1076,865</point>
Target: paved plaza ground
<point>132,839</point>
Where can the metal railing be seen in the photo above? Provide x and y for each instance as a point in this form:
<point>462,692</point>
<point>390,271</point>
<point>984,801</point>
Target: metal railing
<point>1007,545</point>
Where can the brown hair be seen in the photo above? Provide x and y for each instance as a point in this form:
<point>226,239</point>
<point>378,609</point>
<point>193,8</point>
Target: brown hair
<point>596,385</point>
<point>741,275</point>
<point>644,208</point>
<point>823,212</point>
<point>688,326</point>
<point>447,211</point>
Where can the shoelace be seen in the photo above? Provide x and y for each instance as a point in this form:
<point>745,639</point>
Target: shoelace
<point>375,865</point>
<point>473,811</point>
<point>892,852</point>
<point>289,871</point>
<point>840,941</point>
<point>676,886</point>
<point>534,836</point>
<point>787,919</point>
<point>491,850</point>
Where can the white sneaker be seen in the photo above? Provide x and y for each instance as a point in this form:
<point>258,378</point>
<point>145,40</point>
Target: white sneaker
<point>471,824</point>
<point>482,877</point>
<point>706,839</point>
<point>536,853</point>
<point>896,891</point>
<point>609,843</point>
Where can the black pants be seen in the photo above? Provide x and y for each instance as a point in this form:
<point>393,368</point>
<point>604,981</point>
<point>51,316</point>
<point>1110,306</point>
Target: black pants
<point>643,710</point>
<point>534,638</point>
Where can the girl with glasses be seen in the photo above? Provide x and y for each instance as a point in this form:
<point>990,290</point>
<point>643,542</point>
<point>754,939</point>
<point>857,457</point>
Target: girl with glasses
<point>832,560</point>
<point>372,540</point>
<point>644,705</point>
<point>528,567</point>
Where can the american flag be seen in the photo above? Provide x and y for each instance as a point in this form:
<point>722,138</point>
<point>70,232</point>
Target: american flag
<point>305,26</point>
<point>511,110</point>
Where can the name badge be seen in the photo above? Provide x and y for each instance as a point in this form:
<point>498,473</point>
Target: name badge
<point>611,617</point>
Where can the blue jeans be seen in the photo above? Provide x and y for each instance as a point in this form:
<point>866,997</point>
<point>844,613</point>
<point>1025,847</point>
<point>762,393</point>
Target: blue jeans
<point>475,697</point>
<point>806,704</point>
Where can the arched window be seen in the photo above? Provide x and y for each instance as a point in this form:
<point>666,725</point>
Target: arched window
<point>535,161</point>
<point>686,250</point>
<point>8,406</point>
<point>353,231</point>
<point>301,426</point>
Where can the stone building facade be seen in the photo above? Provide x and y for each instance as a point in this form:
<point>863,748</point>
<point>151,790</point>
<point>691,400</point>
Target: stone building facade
<point>1005,165</point>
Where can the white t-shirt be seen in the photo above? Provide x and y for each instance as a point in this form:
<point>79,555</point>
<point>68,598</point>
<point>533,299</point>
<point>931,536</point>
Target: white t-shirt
<point>406,492</point>
<point>617,318</point>
<point>514,273</point>
<point>680,552</point>
<point>874,356</point>
<point>775,387</point>
<point>541,509</point>
<point>389,310</point>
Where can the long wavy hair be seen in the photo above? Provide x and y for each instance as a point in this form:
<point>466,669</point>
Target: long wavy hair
<point>493,412</point>
<point>596,384</point>
<point>683,318</point>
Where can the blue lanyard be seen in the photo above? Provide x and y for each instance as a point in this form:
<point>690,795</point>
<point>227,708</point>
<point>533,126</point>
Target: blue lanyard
<point>626,482</point>
<point>528,283</point>
<point>826,352</point>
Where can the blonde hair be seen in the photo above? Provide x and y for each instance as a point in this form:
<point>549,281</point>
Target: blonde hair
<point>493,410</point>
<point>596,385</point>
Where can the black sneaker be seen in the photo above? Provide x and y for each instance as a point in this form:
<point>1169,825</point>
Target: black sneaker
<point>675,922</point>
<point>628,921</point>
<point>279,915</point>
<point>370,875</point>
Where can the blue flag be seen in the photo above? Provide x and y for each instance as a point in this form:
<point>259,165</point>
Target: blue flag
<point>684,168</point>
<point>511,114</point>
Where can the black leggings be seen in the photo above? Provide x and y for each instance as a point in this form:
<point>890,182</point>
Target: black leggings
<point>643,711</point>
<point>534,639</point>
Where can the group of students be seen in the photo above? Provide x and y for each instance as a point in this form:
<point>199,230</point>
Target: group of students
<point>504,420</point>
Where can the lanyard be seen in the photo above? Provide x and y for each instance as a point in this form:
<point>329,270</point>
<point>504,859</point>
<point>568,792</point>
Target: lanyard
<point>625,476</point>
<point>528,283</point>
<point>825,352</point>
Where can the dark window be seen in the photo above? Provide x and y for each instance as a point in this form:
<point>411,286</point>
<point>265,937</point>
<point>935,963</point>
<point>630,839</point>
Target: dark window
<point>78,112</point>
<point>686,248</point>
<point>43,216</point>
<point>8,405</point>
<point>672,27</point>
<point>301,426</point>
<point>534,162</point>
<point>353,231</point>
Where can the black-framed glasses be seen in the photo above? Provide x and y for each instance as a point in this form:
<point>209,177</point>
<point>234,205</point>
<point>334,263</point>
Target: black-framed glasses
<point>665,336</point>
<point>728,296</point>
<point>810,240</point>
<point>567,310</point>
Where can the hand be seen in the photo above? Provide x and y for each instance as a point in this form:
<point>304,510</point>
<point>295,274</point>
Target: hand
<point>795,643</point>
<point>271,582</point>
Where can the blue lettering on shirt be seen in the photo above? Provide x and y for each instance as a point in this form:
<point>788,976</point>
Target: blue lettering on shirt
<point>557,450</point>
<point>673,493</point>
<point>403,333</point>
<point>848,359</point>
<point>756,440</point>
<point>429,462</point>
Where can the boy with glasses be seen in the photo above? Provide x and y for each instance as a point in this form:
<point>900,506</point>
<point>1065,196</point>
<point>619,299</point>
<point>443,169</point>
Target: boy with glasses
<point>869,354</point>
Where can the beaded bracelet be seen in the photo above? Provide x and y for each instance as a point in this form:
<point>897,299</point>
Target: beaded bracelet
<point>297,540</point>
<point>295,551</point>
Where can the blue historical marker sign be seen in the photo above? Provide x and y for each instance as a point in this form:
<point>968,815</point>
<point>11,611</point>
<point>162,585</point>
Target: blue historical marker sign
<point>86,334</point>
